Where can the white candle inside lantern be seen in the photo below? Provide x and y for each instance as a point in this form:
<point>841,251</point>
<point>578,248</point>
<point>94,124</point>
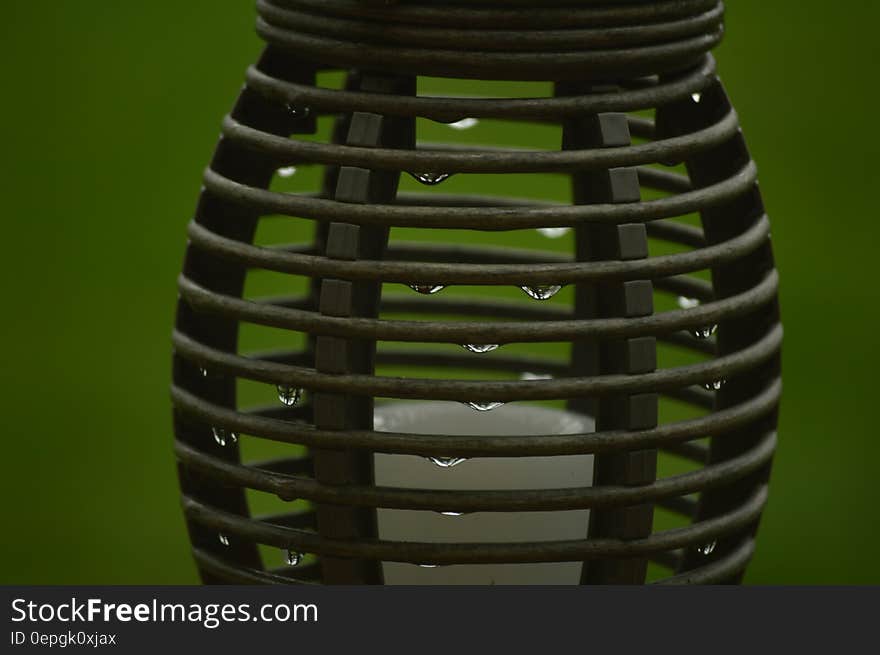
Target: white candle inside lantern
<point>501,473</point>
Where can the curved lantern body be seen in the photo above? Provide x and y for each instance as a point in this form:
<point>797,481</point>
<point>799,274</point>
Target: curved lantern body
<point>560,187</point>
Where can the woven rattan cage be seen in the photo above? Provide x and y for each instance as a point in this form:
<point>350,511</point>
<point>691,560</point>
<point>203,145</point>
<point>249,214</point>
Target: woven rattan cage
<point>665,334</point>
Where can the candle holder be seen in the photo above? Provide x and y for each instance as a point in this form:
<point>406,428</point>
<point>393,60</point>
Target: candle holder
<point>461,371</point>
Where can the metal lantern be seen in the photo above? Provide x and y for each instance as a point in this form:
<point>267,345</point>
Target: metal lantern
<point>478,293</point>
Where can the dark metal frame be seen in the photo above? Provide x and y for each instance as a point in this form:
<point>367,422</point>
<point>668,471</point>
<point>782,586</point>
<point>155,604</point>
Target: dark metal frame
<point>608,62</point>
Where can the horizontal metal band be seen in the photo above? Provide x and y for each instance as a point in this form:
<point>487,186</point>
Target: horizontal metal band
<point>478,553</point>
<point>456,272</point>
<point>463,253</point>
<point>472,500</point>
<point>711,313</point>
<point>642,44</point>
<point>451,109</point>
<point>726,366</point>
<point>510,14</point>
<point>289,150</point>
<point>262,201</point>
<point>716,423</point>
<point>490,308</point>
<point>566,38</point>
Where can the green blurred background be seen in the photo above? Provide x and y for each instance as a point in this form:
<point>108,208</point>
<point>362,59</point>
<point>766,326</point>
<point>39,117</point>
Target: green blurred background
<point>111,111</point>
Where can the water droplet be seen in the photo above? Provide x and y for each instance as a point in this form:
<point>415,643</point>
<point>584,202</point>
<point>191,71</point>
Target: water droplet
<point>428,566</point>
<point>452,513</point>
<point>542,292</point>
<point>431,179</point>
<point>298,111</point>
<point>464,124</point>
<point>223,539</point>
<point>293,558</point>
<point>203,371</point>
<point>287,171</point>
<point>484,407</point>
<point>688,303</point>
<point>696,97</point>
<point>480,348</point>
<point>289,396</point>
<point>707,549</point>
<point>427,289</point>
<point>554,232</point>
<point>446,462</point>
<point>535,376</point>
<point>714,385</point>
<point>223,436</point>
<point>705,332</point>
